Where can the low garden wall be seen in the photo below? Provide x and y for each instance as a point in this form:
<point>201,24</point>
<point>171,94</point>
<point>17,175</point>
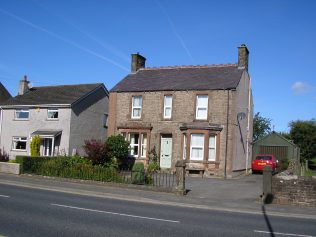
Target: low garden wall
<point>294,190</point>
<point>9,168</point>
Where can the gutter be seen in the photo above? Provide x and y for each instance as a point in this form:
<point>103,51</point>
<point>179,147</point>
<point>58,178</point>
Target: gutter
<point>248,125</point>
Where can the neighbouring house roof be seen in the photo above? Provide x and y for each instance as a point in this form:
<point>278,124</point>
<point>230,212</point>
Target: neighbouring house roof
<point>207,77</point>
<point>56,95</point>
<point>4,94</point>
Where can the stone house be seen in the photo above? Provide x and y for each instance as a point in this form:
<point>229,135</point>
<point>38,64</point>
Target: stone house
<point>202,114</point>
<point>62,116</point>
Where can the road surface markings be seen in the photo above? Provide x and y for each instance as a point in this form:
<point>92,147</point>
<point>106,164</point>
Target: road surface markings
<point>114,213</point>
<point>4,196</point>
<point>278,233</point>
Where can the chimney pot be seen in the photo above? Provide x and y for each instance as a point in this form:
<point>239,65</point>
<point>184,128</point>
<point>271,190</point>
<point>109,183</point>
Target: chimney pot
<point>243,56</point>
<point>138,61</point>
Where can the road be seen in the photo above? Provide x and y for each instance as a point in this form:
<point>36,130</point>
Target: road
<point>34,212</point>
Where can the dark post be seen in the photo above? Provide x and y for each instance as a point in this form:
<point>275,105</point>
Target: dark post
<point>180,177</point>
<point>267,185</point>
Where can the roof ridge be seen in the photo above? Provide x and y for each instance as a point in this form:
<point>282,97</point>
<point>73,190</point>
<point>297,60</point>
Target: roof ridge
<point>99,83</point>
<point>190,66</point>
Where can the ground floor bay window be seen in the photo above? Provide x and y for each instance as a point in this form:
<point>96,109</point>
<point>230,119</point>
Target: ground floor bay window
<point>138,140</point>
<point>200,146</point>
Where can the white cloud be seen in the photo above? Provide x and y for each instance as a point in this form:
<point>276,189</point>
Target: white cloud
<point>300,88</point>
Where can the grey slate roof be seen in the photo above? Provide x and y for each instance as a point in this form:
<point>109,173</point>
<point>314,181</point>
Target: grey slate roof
<point>208,77</point>
<point>4,94</point>
<point>61,95</point>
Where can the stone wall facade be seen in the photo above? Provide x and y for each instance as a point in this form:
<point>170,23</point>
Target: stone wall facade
<point>222,108</point>
<point>300,191</point>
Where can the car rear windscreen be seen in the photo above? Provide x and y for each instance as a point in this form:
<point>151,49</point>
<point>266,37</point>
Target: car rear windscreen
<point>264,158</point>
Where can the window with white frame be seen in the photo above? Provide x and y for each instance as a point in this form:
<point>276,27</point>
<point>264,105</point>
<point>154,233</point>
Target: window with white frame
<point>134,144</point>
<point>184,146</point>
<point>136,107</point>
<point>167,110</point>
<point>201,106</point>
<point>52,113</point>
<point>197,147</point>
<point>22,114</point>
<point>138,143</point>
<point>19,143</point>
<point>212,148</point>
<point>144,145</point>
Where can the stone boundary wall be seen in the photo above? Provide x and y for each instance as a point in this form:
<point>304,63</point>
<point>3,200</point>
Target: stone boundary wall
<point>9,168</point>
<point>294,190</point>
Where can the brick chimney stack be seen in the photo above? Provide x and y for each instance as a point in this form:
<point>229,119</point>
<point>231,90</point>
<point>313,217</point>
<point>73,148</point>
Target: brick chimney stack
<point>138,61</point>
<point>23,86</point>
<point>243,55</point>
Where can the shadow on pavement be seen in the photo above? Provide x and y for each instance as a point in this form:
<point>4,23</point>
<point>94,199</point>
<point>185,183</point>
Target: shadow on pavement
<point>266,218</point>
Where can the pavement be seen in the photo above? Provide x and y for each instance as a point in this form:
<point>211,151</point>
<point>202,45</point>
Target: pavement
<point>239,195</point>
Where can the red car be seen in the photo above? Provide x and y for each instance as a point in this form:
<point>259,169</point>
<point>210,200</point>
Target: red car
<point>262,160</point>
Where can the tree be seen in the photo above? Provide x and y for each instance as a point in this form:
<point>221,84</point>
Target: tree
<point>35,146</point>
<point>261,126</point>
<point>303,134</point>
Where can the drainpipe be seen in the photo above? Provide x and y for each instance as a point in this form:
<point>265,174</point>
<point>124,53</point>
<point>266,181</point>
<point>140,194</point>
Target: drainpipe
<point>226,148</point>
<point>248,125</point>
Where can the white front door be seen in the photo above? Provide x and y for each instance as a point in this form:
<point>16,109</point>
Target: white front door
<point>166,152</point>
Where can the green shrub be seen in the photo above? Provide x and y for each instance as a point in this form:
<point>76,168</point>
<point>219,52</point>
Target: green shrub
<point>283,164</point>
<point>153,167</point>
<point>4,157</point>
<point>117,151</point>
<point>35,146</point>
<point>138,173</point>
<point>68,167</point>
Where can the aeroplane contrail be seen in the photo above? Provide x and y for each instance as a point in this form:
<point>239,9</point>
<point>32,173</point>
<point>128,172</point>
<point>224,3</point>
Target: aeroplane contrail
<point>63,39</point>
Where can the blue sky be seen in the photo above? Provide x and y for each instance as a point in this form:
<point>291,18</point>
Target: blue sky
<point>77,41</point>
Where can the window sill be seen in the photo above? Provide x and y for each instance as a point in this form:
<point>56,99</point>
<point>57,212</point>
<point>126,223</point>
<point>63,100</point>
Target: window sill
<point>15,150</point>
<point>52,119</point>
<point>21,119</point>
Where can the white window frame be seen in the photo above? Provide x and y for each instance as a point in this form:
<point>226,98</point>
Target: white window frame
<point>197,147</point>
<point>212,148</point>
<point>134,144</point>
<point>19,139</point>
<point>24,111</point>
<point>137,107</point>
<point>143,145</point>
<point>105,120</point>
<point>201,107</point>
<point>167,107</point>
<point>184,152</point>
<point>52,110</point>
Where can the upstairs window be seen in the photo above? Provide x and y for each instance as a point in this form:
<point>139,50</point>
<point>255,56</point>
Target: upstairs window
<point>52,113</point>
<point>136,107</point>
<point>22,114</point>
<point>201,106</point>
<point>167,106</point>
<point>19,143</point>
